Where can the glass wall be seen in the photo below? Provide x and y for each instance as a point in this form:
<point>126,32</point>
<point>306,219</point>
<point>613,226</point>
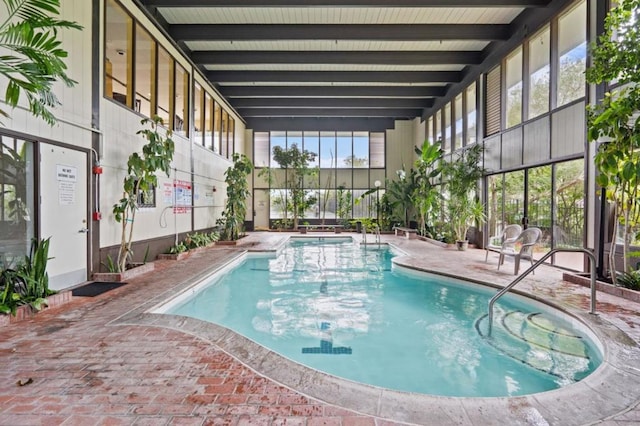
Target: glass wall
<point>343,179</point>
<point>17,200</point>
<point>165,86</point>
<point>181,119</point>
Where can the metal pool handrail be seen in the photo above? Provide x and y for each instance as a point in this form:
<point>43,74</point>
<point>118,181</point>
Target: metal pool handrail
<point>592,259</point>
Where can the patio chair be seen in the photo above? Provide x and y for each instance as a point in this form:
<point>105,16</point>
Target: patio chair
<point>521,248</point>
<point>506,239</point>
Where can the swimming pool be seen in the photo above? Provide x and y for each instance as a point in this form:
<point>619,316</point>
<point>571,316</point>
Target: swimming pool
<point>336,307</point>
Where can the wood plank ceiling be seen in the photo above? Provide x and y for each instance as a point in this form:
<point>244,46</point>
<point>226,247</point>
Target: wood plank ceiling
<point>352,64</point>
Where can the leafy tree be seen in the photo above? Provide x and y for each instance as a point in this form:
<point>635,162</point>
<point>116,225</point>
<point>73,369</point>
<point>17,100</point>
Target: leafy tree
<point>157,155</point>
<point>353,161</point>
<point>616,57</point>
<point>295,163</point>
<point>32,59</point>
<point>237,193</point>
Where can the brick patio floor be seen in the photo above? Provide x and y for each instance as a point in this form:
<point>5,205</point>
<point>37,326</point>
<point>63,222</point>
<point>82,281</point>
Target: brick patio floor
<point>85,371</point>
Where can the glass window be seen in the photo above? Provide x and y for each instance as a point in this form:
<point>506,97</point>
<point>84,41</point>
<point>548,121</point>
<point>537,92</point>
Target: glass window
<point>217,127</point>
<point>447,127</point>
<point>513,71</point>
<point>144,71</point>
<point>328,150</point>
<point>294,138</point>
<point>568,229</point>
<point>277,139</point>
<point>198,105</point>
<point>539,74</point>
<point>457,111</point>
<point>181,119</point>
<point>118,54</point>
<point>572,50</point>
<point>224,135</point>
<point>438,123</point>
<point>361,150</point>
<point>261,149</point>
<point>429,130</point>
<point>208,121</point>
<point>17,200</point>
<point>231,137</point>
<point>165,79</point>
<point>312,144</point>
<point>377,150</point>
<point>344,150</point>
<point>471,114</point>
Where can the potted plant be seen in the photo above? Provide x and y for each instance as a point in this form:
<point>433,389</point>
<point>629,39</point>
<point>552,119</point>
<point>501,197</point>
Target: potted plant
<point>232,221</point>
<point>156,156</point>
<point>461,175</point>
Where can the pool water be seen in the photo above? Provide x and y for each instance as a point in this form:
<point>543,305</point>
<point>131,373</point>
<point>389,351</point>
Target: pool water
<point>340,308</point>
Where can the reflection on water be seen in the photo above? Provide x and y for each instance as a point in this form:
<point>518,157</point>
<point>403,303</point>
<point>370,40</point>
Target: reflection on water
<point>342,309</point>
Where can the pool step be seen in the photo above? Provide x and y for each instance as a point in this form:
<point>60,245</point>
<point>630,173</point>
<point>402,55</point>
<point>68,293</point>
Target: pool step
<point>534,340</point>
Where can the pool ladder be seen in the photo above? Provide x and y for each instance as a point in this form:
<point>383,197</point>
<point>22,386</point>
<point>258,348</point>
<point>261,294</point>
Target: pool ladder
<point>592,259</point>
<point>376,232</point>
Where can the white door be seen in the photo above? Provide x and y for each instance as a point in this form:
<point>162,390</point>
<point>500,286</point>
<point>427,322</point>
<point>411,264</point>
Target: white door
<point>63,213</point>
<point>261,208</point>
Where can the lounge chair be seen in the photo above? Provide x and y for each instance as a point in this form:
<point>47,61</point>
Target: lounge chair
<point>521,248</point>
<point>506,239</point>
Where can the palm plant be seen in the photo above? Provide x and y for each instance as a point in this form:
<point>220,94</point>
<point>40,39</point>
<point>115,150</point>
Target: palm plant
<point>427,194</point>
<point>237,193</point>
<point>32,59</point>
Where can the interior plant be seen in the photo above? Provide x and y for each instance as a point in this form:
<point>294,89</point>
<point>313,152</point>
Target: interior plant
<point>461,175</point>
<point>295,163</point>
<point>427,193</point>
<point>400,194</point>
<point>32,59</point>
<point>238,192</point>
<point>615,121</point>
<point>156,156</point>
<point>28,283</point>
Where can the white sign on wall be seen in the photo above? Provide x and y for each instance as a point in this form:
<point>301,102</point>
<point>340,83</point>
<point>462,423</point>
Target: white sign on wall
<point>67,177</point>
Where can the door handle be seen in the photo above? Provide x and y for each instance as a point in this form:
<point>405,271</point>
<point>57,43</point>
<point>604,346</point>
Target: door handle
<point>83,231</point>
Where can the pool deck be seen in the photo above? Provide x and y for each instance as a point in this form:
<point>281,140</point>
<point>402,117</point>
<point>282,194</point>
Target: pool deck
<point>106,360</point>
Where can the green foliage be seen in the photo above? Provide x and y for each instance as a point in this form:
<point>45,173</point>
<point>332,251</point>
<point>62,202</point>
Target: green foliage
<point>461,175</point>
<point>630,280</point>
<point>181,247</point>
<point>237,194</point>
<point>616,56</point>
<point>343,203</point>
<point>28,284</point>
<point>156,156</point>
<point>426,195</point>
<point>399,195</point>
<point>10,296</point>
<point>283,223</point>
<point>200,239</point>
<point>110,265</point>
<point>32,60</point>
<point>295,163</point>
